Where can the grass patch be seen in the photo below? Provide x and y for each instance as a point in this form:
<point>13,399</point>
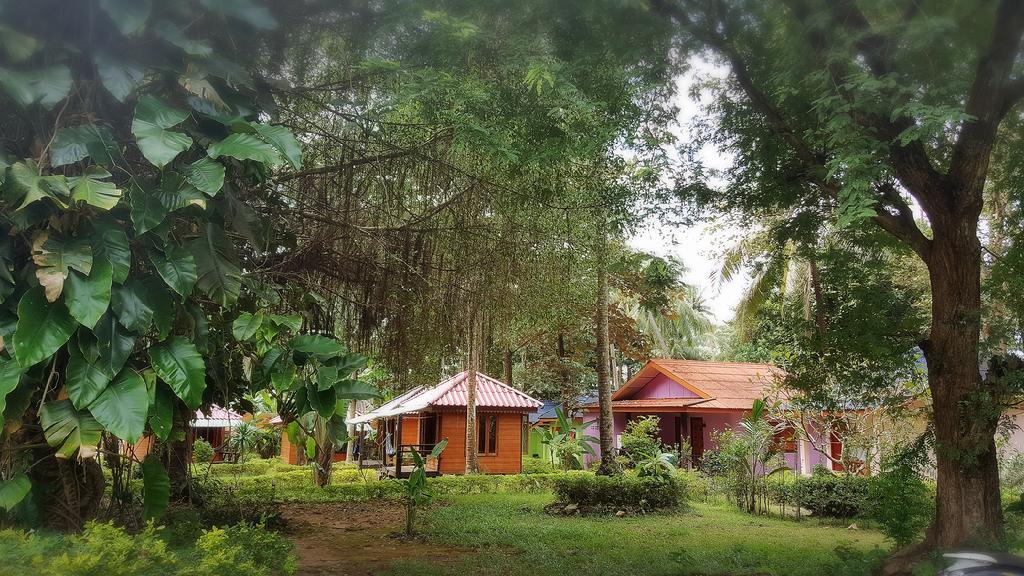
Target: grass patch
<point>514,536</point>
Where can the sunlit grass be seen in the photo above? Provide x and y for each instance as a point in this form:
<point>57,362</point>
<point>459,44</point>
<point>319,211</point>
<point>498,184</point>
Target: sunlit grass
<point>511,534</point>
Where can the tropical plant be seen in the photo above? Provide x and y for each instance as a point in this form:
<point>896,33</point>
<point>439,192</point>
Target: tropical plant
<point>202,451</point>
<point>657,464</point>
<point>126,153</point>
<point>752,454</point>
<point>568,441</point>
<point>641,439</point>
<point>311,378</point>
<point>416,493</point>
<point>248,437</point>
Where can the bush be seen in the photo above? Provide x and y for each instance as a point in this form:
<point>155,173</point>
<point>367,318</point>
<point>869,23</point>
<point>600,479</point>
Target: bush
<point>641,437</point>
<point>902,505</point>
<point>105,550</point>
<point>202,452</point>
<point>538,466</point>
<point>824,494</point>
<point>610,493</point>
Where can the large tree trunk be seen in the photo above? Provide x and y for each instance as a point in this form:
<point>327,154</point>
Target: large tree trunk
<point>178,456</point>
<point>506,365</point>
<point>966,411</point>
<point>475,342</point>
<point>604,386</point>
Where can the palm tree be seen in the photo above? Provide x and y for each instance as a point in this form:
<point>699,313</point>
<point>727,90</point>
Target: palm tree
<point>678,330</point>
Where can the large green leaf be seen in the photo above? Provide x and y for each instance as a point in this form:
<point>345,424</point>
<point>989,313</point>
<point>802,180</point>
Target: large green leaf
<point>176,36</point>
<point>152,118</point>
<point>320,346</point>
<point>93,190</point>
<point>245,147</point>
<point>128,15</point>
<point>132,306</point>
<point>10,376</point>
<point>245,326</point>
<point>53,257</point>
<point>282,375</point>
<point>115,343</point>
<point>85,380</point>
<point>123,406</point>
<point>75,143</point>
<point>220,277</point>
<point>247,11</point>
<point>283,140</point>
<point>69,430</point>
<point>325,402</point>
<point>178,363</point>
<point>30,186</point>
<point>177,267</point>
<point>291,321</point>
<point>110,243</point>
<point>119,76</point>
<point>43,327</point>
<point>47,86</point>
<point>356,390</point>
<point>147,210</point>
<point>206,175</point>
<point>88,297</point>
<point>161,302</point>
<point>13,491</point>
<point>19,47</point>
<point>161,417</point>
<point>326,377</point>
<point>156,488</point>
<point>176,193</point>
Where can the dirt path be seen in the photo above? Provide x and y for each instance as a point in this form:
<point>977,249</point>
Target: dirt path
<point>354,538</point>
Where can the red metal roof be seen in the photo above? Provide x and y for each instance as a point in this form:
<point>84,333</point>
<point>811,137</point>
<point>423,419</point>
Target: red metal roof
<point>451,393</point>
<point>490,393</point>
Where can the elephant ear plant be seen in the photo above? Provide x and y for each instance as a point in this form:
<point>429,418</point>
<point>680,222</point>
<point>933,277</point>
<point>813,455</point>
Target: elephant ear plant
<point>416,493</point>
<point>131,147</point>
<point>311,376</point>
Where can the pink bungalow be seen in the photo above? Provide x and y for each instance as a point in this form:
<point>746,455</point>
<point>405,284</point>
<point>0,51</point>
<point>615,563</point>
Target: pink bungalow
<point>693,399</point>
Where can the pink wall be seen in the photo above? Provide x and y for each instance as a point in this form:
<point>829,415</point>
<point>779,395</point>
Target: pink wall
<point>663,387</point>
<point>714,422</point>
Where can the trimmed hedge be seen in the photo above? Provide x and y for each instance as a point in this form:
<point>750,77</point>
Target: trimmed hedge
<point>825,494</point>
<point>620,492</point>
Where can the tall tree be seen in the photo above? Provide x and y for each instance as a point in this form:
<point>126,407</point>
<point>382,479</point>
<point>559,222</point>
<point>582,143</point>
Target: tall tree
<point>476,343</point>
<point>604,386</point>
<point>856,111</point>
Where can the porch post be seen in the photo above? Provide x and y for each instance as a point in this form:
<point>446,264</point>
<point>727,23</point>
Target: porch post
<point>398,448</point>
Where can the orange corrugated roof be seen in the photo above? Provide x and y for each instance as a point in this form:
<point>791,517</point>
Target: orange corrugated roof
<point>725,385</point>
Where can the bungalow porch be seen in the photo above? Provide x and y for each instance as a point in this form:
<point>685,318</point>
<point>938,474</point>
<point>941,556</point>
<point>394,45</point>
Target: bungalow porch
<point>424,416</point>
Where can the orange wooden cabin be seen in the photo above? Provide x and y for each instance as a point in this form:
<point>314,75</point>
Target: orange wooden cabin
<point>424,416</point>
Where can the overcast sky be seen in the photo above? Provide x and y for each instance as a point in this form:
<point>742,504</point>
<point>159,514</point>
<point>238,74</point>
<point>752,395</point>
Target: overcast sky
<point>699,247</point>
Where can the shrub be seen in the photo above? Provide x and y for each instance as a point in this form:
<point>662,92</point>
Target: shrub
<point>899,499</point>
<point>202,452</point>
<point>641,437</point>
<point>106,550</point>
<point>609,493</point>
<point>824,494</point>
<point>538,466</point>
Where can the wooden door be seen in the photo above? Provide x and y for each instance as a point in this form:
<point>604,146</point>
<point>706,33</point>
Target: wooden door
<point>696,439</point>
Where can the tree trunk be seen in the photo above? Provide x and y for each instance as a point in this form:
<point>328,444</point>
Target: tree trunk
<point>324,461</point>
<point>351,430</point>
<point>475,341</point>
<point>965,410</point>
<point>507,366</point>
<point>604,386</point>
<point>179,455</point>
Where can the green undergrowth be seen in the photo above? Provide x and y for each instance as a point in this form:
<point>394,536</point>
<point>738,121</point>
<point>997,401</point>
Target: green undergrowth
<point>106,550</point>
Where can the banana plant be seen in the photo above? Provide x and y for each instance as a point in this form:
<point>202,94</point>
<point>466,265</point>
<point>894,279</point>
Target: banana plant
<point>568,440</point>
<point>416,493</point>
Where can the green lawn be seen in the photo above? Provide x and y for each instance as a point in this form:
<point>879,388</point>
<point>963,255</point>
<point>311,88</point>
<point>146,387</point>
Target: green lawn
<point>510,534</point>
